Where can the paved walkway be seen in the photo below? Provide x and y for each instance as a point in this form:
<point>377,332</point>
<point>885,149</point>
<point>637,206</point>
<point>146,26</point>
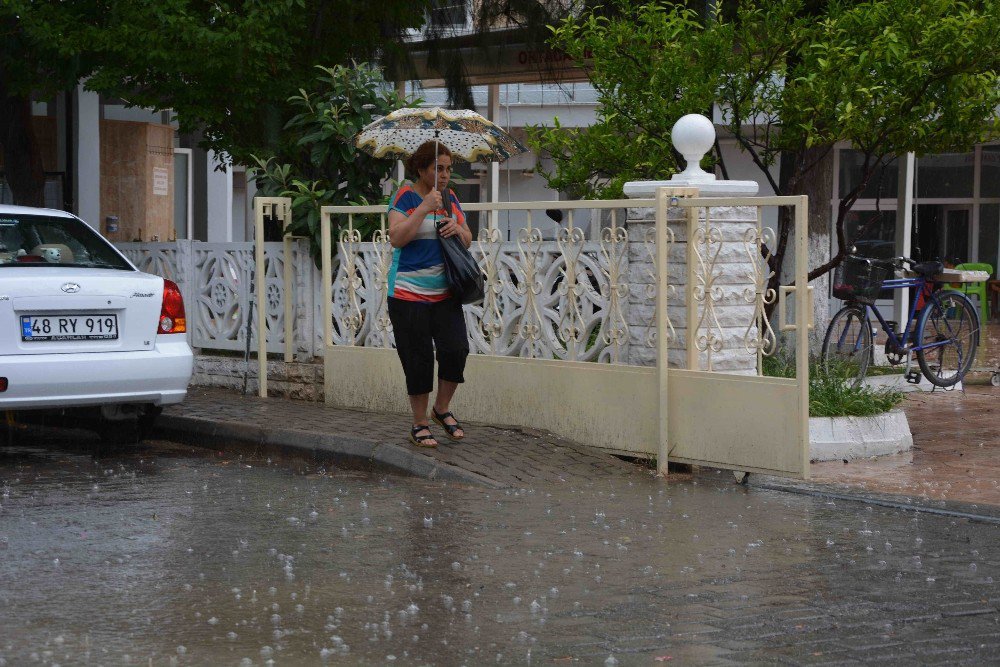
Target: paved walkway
<point>955,456</point>
<point>956,444</point>
<point>490,456</point>
<point>954,466</point>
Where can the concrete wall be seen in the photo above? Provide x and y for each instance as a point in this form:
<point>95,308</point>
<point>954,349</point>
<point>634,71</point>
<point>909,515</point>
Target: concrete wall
<point>303,381</point>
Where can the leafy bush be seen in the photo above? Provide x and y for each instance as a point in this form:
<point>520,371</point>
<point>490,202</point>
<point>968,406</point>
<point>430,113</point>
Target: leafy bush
<point>322,167</point>
<point>832,392</point>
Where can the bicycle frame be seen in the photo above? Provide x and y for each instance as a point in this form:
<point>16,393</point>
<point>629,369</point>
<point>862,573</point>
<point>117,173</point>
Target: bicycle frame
<point>900,343</point>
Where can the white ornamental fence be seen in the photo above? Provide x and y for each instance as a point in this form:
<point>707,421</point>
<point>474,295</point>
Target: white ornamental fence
<point>215,279</point>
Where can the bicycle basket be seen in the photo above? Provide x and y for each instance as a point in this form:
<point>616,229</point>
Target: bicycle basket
<point>860,279</point>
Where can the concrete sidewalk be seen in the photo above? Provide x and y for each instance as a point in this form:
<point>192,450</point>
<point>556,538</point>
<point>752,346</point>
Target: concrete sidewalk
<point>487,456</point>
<point>954,467</point>
<point>955,456</point>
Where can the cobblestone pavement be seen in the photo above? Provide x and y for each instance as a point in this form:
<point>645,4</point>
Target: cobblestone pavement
<point>505,457</point>
<point>170,555</point>
<point>954,466</point>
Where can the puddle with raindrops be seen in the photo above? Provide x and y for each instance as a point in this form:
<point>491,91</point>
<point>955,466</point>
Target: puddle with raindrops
<point>164,555</point>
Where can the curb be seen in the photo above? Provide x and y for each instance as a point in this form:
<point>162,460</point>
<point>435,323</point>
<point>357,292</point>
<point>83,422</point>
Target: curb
<point>951,508</point>
<point>353,452</point>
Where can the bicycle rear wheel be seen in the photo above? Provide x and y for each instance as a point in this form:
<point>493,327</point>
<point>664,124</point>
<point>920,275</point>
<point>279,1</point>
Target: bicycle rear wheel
<point>847,346</point>
<point>951,322</point>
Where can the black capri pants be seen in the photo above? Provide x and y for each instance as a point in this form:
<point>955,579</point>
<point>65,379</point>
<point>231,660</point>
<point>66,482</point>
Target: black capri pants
<point>421,329</point>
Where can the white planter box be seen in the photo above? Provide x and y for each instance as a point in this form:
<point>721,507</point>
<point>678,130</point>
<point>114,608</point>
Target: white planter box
<point>833,438</point>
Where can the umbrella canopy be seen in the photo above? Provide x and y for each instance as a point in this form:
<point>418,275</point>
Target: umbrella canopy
<point>468,135</point>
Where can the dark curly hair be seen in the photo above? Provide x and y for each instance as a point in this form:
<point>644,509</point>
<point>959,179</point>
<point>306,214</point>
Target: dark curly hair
<point>423,157</point>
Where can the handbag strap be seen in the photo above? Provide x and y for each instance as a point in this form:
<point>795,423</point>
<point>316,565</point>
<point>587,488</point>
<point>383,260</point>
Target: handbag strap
<point>450,210</point>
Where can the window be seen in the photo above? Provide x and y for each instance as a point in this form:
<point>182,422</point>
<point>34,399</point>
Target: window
<point>884,183</point>
<point>449,14</point>
<point>873,233</point>
<point>989,185</point>
<point>945,175</point>
<point>53,190</point>
<point>41,240</point>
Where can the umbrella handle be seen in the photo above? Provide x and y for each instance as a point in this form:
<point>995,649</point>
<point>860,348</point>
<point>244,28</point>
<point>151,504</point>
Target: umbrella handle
<point>446,201</point>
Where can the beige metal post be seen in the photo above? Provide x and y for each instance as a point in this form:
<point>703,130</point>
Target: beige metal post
<point>260,278</point>
<point>662,339</point>
<point>289,290</point>
<point>326,247</point>
<point>803,315</point>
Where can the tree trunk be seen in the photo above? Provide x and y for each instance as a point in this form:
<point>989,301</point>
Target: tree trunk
<point>21,159</point>
<point>818,186</point>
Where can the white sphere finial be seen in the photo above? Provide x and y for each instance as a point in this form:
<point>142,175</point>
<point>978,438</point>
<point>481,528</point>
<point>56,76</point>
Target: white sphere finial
<point>693,136</point>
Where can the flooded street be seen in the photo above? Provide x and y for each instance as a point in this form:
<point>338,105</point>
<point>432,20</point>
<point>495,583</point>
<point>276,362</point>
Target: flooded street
<point>162,554</point>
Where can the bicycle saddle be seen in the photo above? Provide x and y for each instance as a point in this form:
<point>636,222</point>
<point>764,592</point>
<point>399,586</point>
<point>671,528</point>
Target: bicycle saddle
<point>928,269</point>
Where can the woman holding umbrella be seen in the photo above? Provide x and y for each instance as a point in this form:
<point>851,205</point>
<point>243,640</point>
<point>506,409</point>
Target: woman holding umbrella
<point>425,317</point>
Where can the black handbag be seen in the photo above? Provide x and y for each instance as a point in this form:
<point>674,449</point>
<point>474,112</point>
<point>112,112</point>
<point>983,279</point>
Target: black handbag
<point>465,278</point>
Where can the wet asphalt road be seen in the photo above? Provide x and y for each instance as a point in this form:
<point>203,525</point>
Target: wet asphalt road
<point>162,554</point>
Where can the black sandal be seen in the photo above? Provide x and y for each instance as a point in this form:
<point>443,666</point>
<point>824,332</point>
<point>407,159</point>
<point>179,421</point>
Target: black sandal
<point>449,428</point>
<point>421,440</point>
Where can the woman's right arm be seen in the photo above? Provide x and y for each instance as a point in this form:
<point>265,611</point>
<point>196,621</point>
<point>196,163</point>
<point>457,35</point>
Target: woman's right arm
<point>402,227</point>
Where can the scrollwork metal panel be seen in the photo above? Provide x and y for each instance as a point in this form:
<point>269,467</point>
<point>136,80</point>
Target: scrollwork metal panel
<point>527,310</point>
<point>759,337</point>
<point>706,245</point>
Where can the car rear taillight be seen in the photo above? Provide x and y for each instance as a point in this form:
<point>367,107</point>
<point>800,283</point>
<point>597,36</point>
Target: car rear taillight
<point>172,311</point>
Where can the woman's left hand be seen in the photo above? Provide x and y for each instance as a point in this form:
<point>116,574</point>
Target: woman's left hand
<point>449,227</point>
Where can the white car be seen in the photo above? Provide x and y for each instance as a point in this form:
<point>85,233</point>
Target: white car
<point>81,327</point>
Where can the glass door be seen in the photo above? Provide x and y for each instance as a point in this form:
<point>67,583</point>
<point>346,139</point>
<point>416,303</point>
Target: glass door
<point>956,233</point>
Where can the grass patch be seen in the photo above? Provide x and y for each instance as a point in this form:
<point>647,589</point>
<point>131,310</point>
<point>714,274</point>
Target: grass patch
<point>832,392</point>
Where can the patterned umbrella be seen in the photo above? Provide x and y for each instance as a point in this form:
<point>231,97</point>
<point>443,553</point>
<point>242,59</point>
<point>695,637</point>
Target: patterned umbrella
<point>468,135</point>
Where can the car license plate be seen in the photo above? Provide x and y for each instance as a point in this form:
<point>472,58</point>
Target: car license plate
<point>40,328</point>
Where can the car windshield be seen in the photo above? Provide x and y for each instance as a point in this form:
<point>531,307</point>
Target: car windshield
<point>45,240</point>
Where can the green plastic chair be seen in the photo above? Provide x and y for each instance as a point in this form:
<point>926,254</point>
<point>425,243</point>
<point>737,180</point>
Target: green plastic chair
<point>977,289</point>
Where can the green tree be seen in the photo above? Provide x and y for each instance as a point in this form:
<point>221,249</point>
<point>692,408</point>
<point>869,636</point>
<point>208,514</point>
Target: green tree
<point>791,79</point>
<point>323,168</point>
<point>650,64</point>
<point>32,59</point>
<point>226,68</point>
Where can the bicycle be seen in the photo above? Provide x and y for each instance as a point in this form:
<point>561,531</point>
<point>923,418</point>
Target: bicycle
<point>945,323</point>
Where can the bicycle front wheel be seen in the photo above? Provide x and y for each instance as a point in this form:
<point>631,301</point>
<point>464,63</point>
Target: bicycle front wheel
<point>847,347</point>
<point>949,330</point>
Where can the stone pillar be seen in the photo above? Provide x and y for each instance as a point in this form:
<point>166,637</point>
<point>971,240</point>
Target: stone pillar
<point>731,261</point>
